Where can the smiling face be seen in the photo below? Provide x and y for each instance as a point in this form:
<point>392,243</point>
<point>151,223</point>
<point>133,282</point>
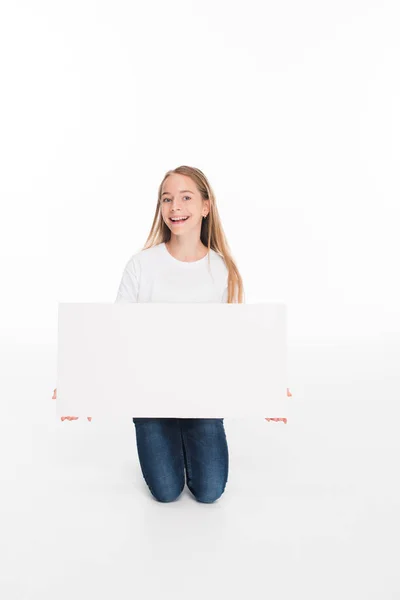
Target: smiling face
<point>182,207</point>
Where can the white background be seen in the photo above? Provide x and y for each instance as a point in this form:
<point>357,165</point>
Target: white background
<point>291,109</point>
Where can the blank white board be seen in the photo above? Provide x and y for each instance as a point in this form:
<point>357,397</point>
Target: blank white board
<point>183,360</point>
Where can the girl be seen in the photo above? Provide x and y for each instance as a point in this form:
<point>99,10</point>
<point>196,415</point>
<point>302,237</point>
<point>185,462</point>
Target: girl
<point>186,258</point>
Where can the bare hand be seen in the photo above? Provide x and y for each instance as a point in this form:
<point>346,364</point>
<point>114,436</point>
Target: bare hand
<point>279,418</point>
<point>68,418</point>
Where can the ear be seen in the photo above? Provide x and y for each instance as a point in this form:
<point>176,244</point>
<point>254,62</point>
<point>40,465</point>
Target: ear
<point>206,204</point>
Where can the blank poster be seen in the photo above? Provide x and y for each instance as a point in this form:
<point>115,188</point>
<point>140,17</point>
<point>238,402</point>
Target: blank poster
<point>185,360</point>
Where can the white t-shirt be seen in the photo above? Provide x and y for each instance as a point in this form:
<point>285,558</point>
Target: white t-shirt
<point>154,275</point>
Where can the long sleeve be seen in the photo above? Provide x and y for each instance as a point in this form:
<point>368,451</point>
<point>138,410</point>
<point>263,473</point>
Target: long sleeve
<point>128,290</point>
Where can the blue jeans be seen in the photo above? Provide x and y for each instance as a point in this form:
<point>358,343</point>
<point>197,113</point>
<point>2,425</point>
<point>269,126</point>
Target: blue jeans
<point>168,447</point>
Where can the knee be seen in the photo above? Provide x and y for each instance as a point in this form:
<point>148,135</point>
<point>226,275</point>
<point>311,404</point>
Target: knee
<point>210,495</point>
<point>166,495</point>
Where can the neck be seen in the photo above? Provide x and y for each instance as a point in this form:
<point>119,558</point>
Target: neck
<point>186,250</point>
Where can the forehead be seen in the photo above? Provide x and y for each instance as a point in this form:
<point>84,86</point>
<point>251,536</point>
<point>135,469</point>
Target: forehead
<point>176,183</point>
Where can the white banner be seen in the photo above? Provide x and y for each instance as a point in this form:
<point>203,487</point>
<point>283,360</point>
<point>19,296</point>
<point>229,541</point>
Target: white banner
<point>184,360</point>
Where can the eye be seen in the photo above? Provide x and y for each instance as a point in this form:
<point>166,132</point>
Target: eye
<point>188,197</point>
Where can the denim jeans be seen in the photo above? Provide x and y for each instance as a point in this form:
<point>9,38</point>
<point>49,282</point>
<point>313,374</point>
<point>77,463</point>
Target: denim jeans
<point>169,447</point>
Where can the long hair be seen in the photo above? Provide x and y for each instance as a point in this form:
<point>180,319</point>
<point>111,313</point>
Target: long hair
<point>212,234</point>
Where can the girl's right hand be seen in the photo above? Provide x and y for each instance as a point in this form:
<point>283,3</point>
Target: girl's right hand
<point>68,418</point>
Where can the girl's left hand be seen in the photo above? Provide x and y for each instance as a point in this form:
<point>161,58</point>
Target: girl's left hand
<point>279,418</point>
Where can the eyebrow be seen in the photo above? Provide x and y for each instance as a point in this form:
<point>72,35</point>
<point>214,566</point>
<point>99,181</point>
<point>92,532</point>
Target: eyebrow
<point>180,191</point>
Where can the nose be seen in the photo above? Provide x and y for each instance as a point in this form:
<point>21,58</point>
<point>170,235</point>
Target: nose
<point>175,204</point>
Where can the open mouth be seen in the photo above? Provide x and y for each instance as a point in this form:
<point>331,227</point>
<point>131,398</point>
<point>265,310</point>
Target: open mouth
<point>179,221</point>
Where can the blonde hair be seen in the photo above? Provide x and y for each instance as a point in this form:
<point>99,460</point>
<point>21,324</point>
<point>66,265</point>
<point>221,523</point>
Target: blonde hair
<point>212,234</point>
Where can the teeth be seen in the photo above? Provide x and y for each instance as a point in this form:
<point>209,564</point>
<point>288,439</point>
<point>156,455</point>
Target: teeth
<point>178,219</point>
